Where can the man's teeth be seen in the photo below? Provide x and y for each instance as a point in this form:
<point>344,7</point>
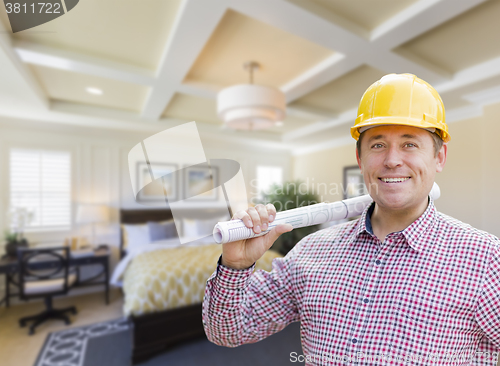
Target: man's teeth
<point>394,180</point>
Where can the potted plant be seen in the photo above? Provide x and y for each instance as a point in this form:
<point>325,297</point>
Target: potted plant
<point>12,243</point>
<point>18,218</point>
<point>285,197</point>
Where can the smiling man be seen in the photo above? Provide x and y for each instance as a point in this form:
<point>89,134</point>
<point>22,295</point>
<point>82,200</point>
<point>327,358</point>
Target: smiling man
<point>399,164</point>
<point>403,284</point>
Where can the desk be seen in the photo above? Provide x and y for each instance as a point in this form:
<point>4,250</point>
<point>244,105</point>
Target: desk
<point>9,267</point>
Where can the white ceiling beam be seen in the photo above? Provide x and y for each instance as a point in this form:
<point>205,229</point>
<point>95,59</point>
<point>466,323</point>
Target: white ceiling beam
<point>115,119</point>
<point>332,17</point>
<point>484,97</point>
<point>294,20</point>
<point>16,75</point>
<point>471,75</point>
<point>76,114</point>
<point>385,33</point>
<point>194,24</point>
<point>54,58</point>
<point>409,56</point>
<point>322,73</point>
<point>417,19</point>
<point>111,114</point>
<point>343,118</point>
<point>391,62</point>
<point>408,24</point>
<point>85,116</point>
<point>463,113</point>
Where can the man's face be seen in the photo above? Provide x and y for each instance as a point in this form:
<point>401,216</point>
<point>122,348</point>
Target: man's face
<point>399,166</point>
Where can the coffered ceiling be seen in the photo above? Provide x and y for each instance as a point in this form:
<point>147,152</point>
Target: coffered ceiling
<point>160,63</point>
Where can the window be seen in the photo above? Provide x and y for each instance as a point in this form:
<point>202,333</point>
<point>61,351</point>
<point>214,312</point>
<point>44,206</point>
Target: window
<point>40,182</point>
<point>267,176</point>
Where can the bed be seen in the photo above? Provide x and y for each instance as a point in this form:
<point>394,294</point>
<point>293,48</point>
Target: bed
<point>163,284</point>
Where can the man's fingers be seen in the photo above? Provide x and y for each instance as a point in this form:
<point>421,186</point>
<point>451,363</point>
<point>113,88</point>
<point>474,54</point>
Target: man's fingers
<point>257,217</point>
<point>271,212</point>
<point>263,216</point>
<point>256,224</point>
<point>243,216</point>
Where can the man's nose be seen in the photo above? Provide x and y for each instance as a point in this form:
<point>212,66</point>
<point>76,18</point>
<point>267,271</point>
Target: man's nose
<point>393,158</point>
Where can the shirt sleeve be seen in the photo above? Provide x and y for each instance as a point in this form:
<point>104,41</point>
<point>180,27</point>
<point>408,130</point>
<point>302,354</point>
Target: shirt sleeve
<point>488,306</point>
<point>242,306</point>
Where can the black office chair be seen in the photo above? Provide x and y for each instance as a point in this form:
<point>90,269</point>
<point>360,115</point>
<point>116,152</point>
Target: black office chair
<point>45,273</point>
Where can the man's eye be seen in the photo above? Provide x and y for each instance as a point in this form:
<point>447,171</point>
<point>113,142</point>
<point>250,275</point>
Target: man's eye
<point>411,144</point>
<point>377,146</point>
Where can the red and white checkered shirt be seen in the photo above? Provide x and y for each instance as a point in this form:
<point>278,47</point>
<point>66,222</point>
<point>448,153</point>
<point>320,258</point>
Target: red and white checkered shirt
<point>429,294</point>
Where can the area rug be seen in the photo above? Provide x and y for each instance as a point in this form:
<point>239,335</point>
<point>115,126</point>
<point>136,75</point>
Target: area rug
<point>82,346</point>
<point>109,344</point>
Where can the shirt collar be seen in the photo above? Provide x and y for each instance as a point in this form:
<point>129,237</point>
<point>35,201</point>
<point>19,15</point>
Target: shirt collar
<point>362,223</point>
<point>412,233</point>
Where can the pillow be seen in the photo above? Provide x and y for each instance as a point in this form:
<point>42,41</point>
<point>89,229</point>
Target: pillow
<point>161,231</point>
<point>206,227</point>
<point>135,236</point>
<point>199,228</point>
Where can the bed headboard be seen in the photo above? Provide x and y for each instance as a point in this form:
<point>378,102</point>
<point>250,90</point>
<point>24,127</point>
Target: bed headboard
<point>141,217</point>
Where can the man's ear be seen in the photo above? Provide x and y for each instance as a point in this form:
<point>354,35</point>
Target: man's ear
<point>358,159</point>
<point>441,158</point>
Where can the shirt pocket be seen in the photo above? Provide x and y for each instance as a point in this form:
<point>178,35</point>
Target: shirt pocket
<point>422,312</point>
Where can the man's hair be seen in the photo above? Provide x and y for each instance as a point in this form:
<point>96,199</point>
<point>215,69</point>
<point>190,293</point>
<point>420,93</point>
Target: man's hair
<point>436,139</point>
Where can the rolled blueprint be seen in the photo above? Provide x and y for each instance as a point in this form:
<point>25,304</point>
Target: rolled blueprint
<point>228,231</point>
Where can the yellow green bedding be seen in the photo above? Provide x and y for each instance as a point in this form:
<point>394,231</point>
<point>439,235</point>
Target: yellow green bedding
<point>169,278</point>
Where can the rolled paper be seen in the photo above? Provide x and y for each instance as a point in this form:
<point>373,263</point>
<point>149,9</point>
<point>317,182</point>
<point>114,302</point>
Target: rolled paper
<point>233,230</point>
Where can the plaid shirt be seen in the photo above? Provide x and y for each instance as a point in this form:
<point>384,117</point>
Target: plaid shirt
<point>429,294</point>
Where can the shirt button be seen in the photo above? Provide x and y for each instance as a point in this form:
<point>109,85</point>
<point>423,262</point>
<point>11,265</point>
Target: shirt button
<point>366,301</point>
<point>378,262</point>
<point>354,340</point>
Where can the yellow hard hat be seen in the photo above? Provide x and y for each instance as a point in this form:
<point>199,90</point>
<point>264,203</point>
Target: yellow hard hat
<point>401,99</point>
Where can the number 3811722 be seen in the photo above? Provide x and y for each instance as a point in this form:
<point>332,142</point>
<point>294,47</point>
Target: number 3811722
<point>47,8</point>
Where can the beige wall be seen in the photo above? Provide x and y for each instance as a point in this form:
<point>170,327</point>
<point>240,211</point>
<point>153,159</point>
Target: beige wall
<point>490,167</point>
<point>460,180</point>
<point>469,181</point>
<point>325,167</point>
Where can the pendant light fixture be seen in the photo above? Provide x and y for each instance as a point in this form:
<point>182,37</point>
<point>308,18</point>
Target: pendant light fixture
<point>249,106</point>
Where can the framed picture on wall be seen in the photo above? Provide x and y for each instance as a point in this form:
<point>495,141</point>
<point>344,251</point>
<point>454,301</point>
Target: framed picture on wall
<point>354,184</point>
<point>155,191</point>
<point>198,182</point>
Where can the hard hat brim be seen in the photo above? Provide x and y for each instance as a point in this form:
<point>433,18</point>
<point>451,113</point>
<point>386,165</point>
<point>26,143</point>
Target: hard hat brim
<point>422,123</point>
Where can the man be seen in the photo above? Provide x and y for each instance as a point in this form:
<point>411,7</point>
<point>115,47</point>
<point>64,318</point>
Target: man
<point>403,284</point>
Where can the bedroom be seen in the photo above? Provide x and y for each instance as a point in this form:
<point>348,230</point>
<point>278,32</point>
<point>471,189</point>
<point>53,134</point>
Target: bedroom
<point>161,65</point>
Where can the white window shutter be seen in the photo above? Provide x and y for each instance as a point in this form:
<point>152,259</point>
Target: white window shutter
<point>40,181</point>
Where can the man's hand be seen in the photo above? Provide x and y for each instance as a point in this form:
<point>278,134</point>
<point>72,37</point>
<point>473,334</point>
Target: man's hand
<point>243,253</point>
